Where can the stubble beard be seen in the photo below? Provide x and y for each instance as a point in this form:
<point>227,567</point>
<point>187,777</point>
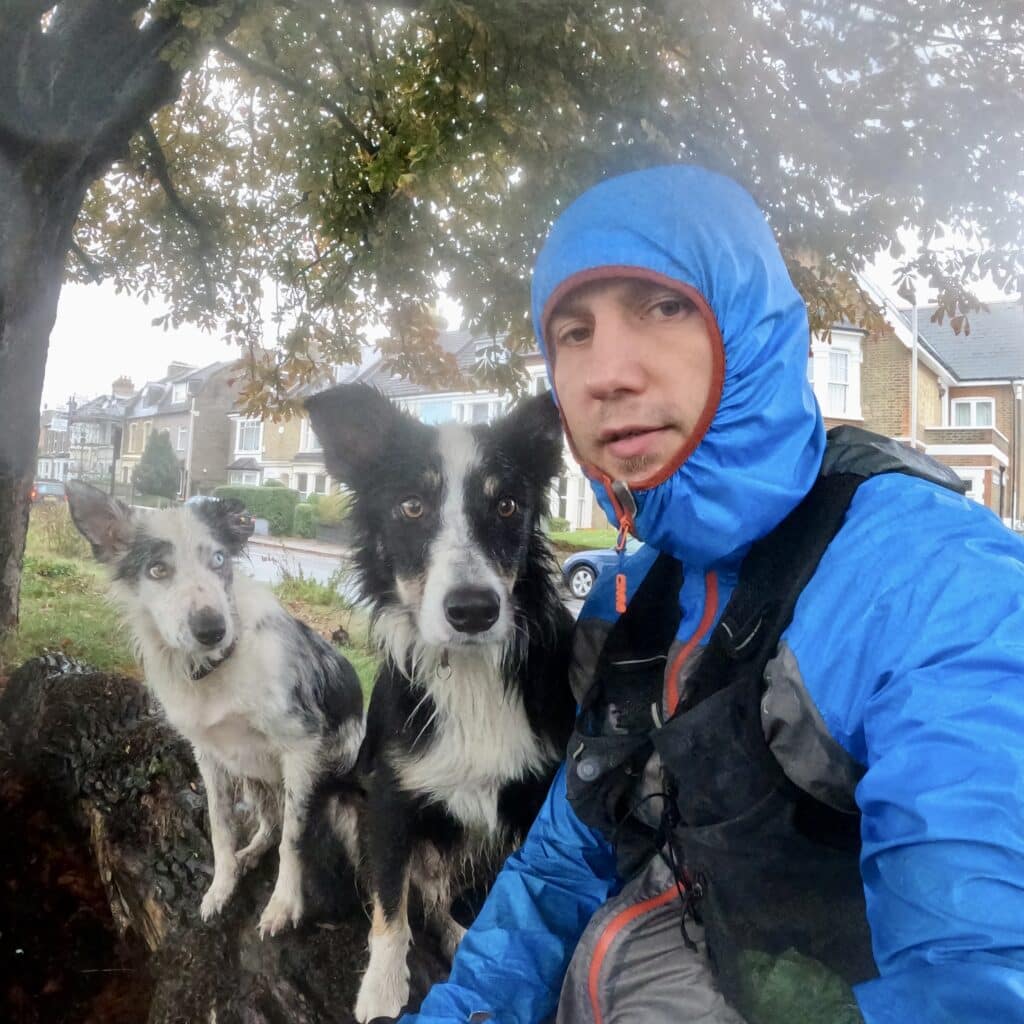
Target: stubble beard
<point>636,465</point>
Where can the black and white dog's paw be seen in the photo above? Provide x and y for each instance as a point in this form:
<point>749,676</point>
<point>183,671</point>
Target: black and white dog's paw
<point>384,990</point>
<point>283,911</point>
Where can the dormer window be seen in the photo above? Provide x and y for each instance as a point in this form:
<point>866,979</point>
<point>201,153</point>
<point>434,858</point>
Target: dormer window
<point>180,392</point>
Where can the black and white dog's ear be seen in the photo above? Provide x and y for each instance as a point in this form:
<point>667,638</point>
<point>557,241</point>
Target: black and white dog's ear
<point>356,425</point>
<point>105,522</point>
<point>221,516</point>
<point>532,432</point>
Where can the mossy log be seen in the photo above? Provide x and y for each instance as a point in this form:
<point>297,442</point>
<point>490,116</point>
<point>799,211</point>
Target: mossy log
<point>96,746</point>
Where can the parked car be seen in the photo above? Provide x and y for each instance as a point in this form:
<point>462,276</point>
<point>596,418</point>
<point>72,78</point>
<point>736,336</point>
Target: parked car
<point>246,522</point>
<point>51,492</point>
<point>581,569</point>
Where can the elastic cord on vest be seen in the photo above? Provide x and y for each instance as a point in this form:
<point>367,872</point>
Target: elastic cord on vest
<point>689,892</point>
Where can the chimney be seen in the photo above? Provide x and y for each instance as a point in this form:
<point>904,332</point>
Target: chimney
<point>122,388</point>
<point>174,369</point>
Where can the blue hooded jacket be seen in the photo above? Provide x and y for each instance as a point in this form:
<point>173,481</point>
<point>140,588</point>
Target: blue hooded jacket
<point>909,638</point>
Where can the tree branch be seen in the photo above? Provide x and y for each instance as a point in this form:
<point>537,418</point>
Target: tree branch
<point>298,87</point>
<point>90,265</point>
<point>158,166</point>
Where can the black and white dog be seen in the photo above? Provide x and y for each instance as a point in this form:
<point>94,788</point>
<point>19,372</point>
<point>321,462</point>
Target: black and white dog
<point>471,710</point>
<point>263,699</point>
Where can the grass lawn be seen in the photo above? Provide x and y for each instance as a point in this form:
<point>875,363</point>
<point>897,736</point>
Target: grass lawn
<point>585,539</point>
<point>63,608</point>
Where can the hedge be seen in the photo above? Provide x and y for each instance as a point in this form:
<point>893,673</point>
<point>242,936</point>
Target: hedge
<point>275,504</point>
<point>332,509</point>
<point>556,524</point>
<point>304,523</point>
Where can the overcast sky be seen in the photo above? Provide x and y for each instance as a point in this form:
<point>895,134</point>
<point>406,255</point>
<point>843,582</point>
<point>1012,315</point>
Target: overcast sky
<point>100,335</point>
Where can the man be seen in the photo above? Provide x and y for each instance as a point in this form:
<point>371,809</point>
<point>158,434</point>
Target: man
<point>796,789</point>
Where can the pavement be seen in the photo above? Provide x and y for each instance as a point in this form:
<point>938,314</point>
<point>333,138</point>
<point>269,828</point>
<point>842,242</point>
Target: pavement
<point>298,546</point>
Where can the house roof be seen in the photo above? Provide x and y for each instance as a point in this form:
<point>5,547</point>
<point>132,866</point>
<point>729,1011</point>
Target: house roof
<point>462,344</point>
<point>994,350</point>
<point>104,407</point>
<point>156,397</point>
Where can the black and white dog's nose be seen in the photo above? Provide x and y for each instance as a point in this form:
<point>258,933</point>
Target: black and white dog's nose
<point>471,609</point>
<point>208,626</point>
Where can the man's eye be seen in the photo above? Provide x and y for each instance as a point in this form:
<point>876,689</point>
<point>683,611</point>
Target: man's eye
<point>217,561</point>
<point>572,335</point>
<point>412,508</point>
<point>671,307</point>
<point>157,571</point>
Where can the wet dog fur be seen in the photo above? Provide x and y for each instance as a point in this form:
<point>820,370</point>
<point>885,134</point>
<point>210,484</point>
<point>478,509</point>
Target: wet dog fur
<point>265,702</point>
<point>471,710</point>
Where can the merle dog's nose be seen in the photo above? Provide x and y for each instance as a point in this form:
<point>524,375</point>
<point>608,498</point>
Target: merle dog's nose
<point>208,626</point>
<point>471,609</point>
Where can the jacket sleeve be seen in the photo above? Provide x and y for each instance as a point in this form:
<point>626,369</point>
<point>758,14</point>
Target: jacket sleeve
<point>511,962</point>
<point>942,800</point>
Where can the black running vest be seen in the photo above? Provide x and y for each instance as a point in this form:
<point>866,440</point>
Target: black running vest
<point>766,868</point>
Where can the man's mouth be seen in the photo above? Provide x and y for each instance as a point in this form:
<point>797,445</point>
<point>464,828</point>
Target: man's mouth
<point>630,441</point>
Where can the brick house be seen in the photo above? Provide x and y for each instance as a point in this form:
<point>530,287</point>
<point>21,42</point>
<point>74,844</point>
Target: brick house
<point>290,452</point>
<point>53,458</point>
<point>967,415</point>
<point>174,404</point>
<point>978,427</point>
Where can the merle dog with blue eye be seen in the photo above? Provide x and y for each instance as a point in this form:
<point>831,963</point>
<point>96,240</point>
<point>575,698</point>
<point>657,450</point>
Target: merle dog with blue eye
<point>471,709</point>
<point>265,702</point>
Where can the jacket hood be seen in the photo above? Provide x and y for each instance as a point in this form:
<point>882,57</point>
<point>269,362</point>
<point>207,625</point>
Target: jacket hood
<point>759,447</point>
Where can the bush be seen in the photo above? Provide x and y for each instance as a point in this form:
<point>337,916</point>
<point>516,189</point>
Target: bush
<point>304,523</point>
<point>58,533</point>
<point>332,509</point>
<point>556,524</point>
<point>297,586</point>
<point>275,504</point>
<point>272,483</point>
<point>157,471</point>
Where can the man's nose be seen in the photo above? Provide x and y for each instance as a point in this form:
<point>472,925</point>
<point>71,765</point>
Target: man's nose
<point>615,365</point>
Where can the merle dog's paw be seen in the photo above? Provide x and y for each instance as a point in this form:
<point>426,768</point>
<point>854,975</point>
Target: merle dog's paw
<point>220,891</point>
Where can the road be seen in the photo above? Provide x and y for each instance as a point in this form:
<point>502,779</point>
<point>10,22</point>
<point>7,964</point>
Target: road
<point>270,562</point>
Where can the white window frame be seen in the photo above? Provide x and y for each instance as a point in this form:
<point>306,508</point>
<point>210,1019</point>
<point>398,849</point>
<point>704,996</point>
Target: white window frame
<point>819,374</point>
<point>973,404</point>
<point>975,478</point>
<point>182,442</point>
<point>244,477</point>
<point>243,423</point>
<point>308,441</point>
<point>463,409</point>
<point>179,393</point>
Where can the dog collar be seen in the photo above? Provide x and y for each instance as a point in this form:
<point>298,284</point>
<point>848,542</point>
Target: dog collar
<point>202,673</point>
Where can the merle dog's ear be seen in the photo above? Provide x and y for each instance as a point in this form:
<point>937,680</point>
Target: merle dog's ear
<point>532,433</point>
<point>356,425</point>
<point>221,516</point>
<point>105,522</point>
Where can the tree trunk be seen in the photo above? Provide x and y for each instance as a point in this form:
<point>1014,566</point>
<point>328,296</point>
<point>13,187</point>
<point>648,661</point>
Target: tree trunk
<point>97,748</point>
<point>39,201</point>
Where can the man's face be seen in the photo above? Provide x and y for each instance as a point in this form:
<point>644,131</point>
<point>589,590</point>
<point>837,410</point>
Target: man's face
<point>633,368</point>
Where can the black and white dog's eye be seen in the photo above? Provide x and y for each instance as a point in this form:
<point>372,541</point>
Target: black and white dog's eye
<point>157,571</point>
<point>218,559</point>
<point>412,508</point>
<point>507,507</point>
